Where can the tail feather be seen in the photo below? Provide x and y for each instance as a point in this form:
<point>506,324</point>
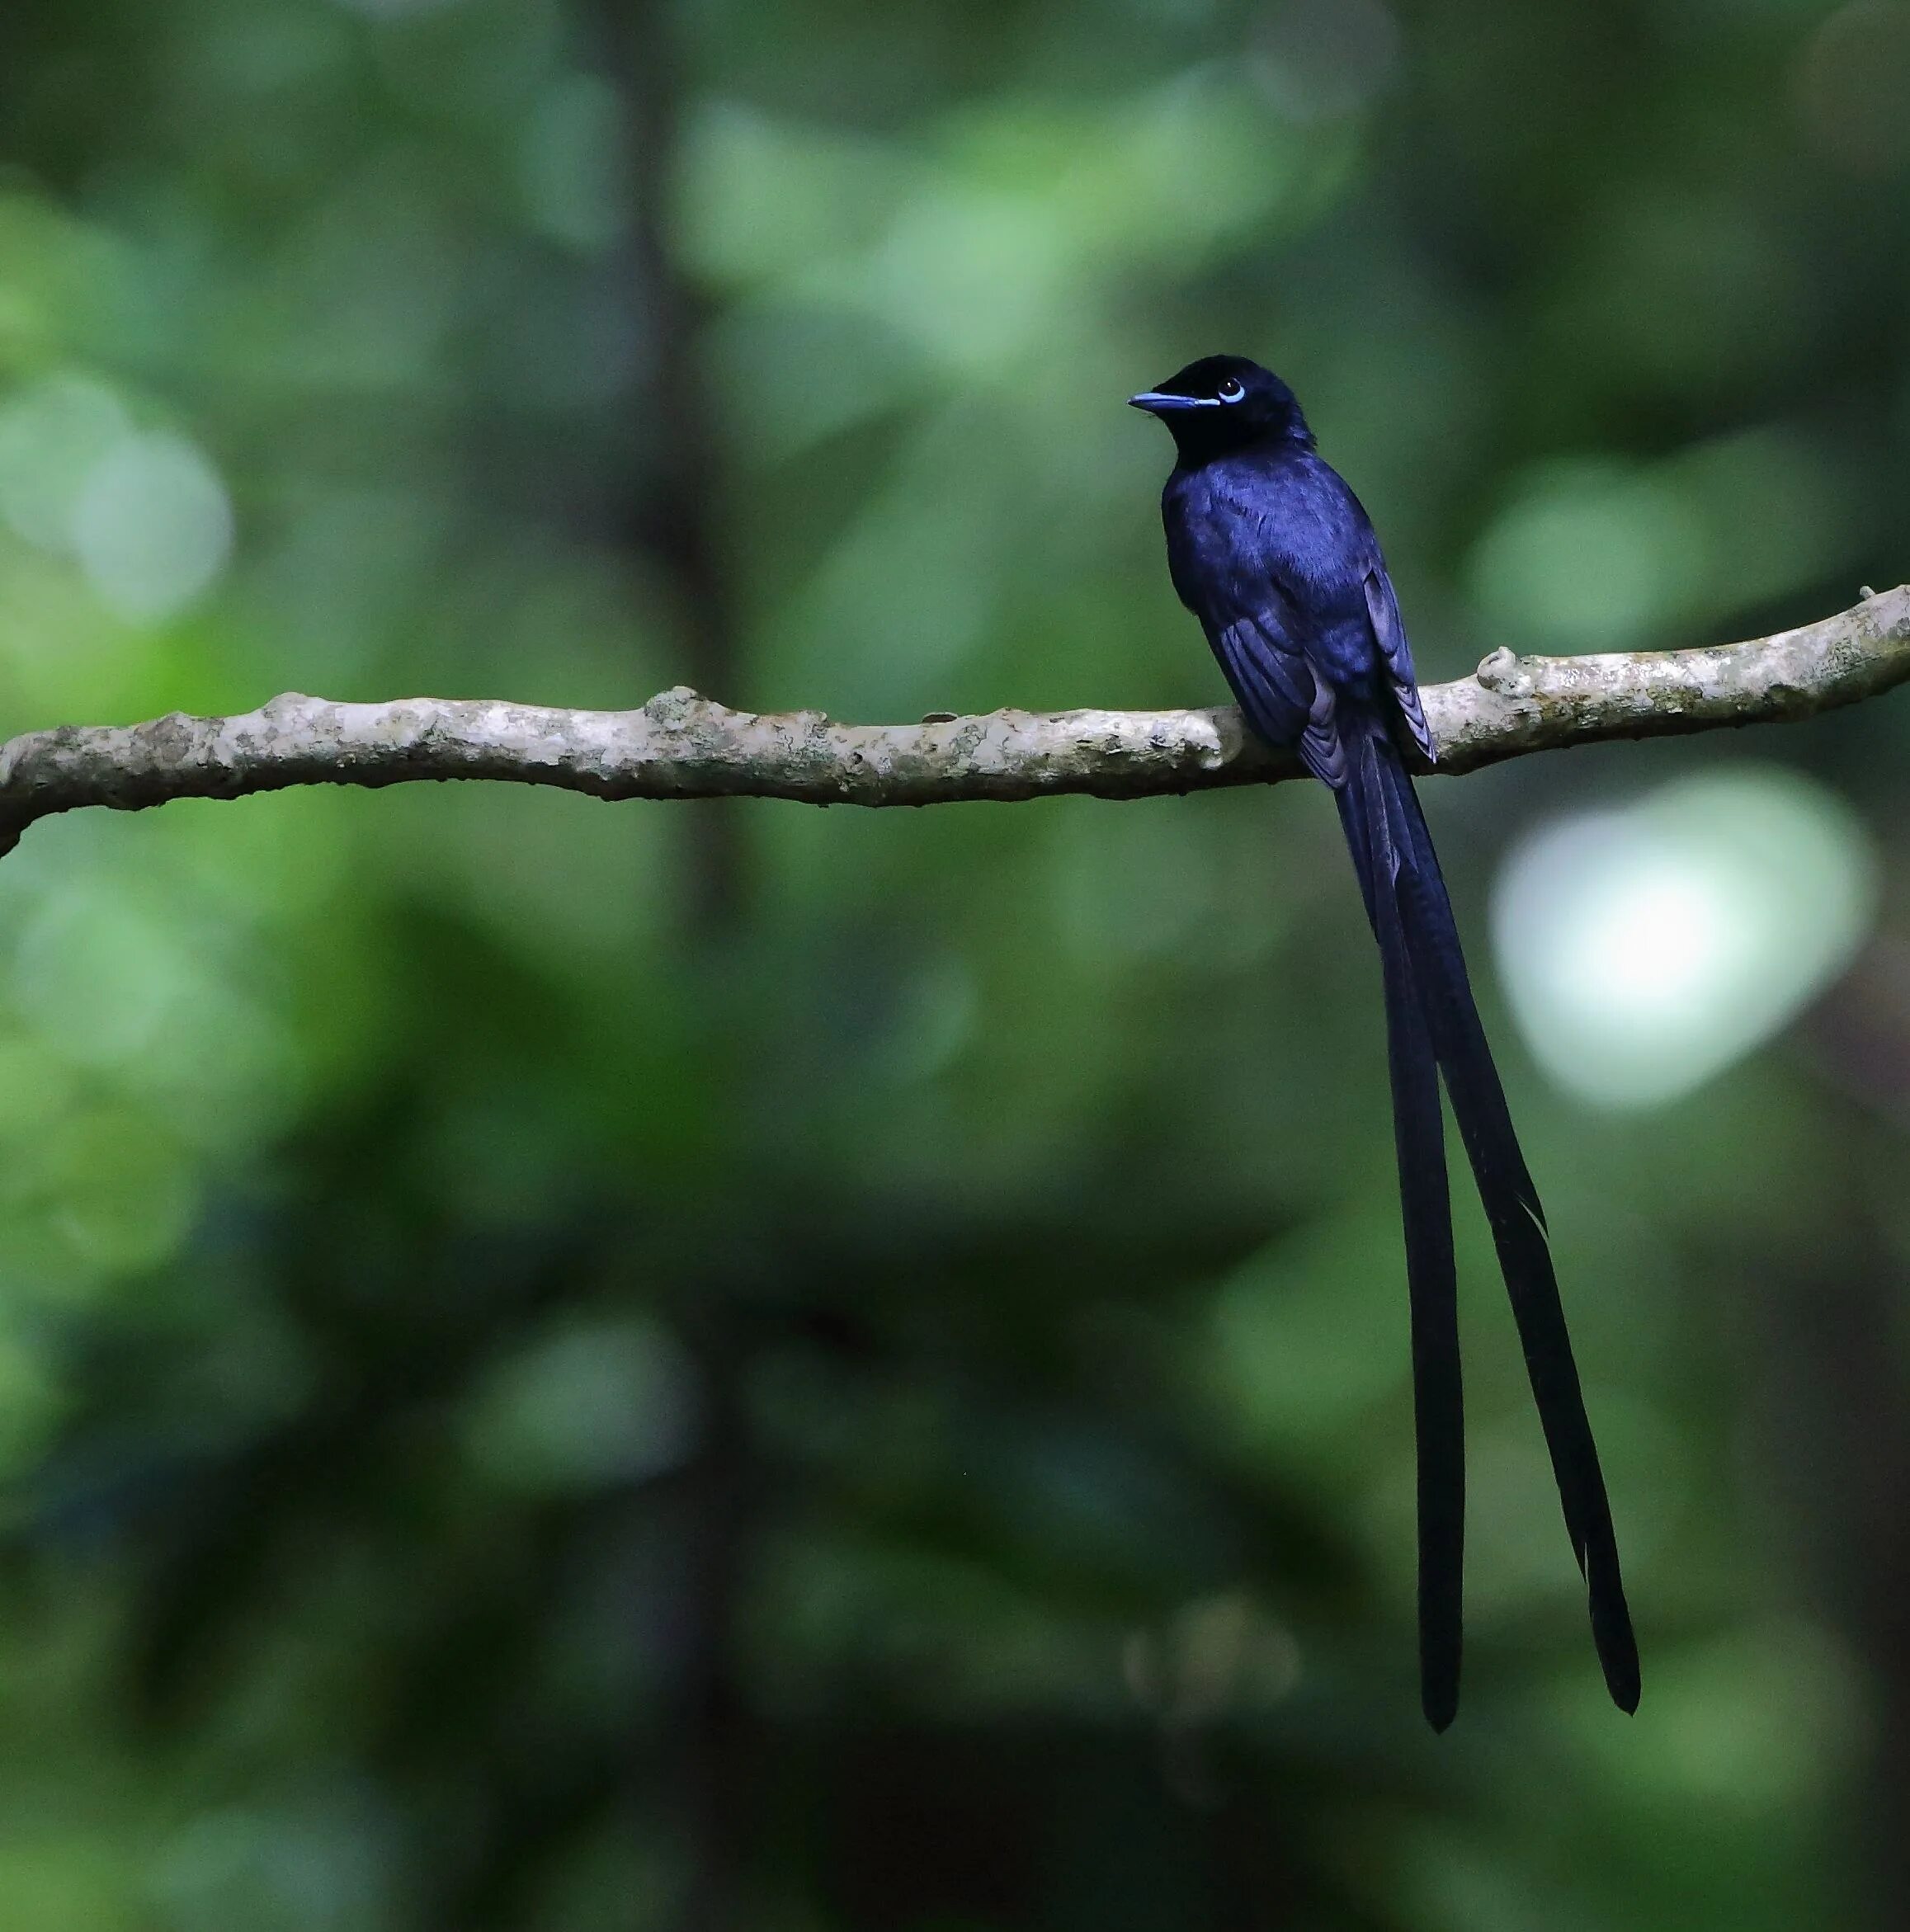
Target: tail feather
<point>1438,976</point>
<point>1419,1137</point>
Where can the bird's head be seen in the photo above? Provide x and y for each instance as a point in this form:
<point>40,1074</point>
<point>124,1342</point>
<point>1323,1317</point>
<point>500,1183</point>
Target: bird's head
<point>1224,403</point>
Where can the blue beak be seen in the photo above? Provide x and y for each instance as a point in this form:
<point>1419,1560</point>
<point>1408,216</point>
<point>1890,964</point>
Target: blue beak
<point>1162,403</point>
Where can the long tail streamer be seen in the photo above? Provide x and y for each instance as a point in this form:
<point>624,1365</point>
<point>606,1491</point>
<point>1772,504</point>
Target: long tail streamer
<point>1433,1028</point>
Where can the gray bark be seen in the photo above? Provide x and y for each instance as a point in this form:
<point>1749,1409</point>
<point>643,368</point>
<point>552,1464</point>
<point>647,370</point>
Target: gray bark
<point>682,745</point>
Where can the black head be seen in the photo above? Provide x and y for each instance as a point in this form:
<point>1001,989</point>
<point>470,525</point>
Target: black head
<point>1224,403</point>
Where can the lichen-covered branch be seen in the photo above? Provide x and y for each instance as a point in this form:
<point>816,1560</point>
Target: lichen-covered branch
<point>681,746</point>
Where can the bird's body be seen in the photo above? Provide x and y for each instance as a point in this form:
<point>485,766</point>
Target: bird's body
<point>1275,555</point>
<point>1273,552</point>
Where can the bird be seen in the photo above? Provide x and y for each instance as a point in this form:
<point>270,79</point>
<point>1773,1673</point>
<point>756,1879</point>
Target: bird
<point>1276,556</point>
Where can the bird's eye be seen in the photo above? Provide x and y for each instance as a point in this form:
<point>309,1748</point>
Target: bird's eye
<point>1231,390</point>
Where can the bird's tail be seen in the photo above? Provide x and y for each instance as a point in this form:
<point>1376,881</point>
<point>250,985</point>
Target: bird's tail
<point>1432,1022</point>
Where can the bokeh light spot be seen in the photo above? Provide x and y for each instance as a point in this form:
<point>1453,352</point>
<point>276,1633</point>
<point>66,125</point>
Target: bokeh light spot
<point>594,1404</point>
<point>1645,950</point>
<point>152,527</point>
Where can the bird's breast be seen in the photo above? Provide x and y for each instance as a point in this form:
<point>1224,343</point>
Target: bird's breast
<point>1240,532</point>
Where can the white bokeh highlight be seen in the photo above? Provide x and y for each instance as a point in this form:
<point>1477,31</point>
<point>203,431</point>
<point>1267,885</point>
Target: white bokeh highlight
<point>144,513</point>
<point>152,527</point>
<point>1644,950</point>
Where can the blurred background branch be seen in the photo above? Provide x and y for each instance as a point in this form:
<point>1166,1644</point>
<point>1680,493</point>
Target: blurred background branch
<point>683,745</point>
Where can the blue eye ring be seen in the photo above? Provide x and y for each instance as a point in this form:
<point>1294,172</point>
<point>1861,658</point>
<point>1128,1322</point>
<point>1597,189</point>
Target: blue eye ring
<point>1232,390</point>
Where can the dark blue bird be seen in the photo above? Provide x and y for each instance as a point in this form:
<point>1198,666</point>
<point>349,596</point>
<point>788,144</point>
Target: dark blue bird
<point>1273,554</point>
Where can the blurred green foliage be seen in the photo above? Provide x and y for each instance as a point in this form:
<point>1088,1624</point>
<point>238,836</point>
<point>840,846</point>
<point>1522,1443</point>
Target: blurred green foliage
<point>577,1367</point>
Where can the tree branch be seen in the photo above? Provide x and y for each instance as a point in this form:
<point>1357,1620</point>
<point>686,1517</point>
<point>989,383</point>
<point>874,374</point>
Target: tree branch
<point>681,746</point>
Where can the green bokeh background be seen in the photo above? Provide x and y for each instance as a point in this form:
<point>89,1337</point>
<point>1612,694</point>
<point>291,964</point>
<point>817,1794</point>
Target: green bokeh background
<point>577,1367</point>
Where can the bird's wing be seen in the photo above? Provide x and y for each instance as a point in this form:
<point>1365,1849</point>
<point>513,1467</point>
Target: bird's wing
<point>1284,700</point>
<point>1396,654</point>
<point>1280,565</point>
